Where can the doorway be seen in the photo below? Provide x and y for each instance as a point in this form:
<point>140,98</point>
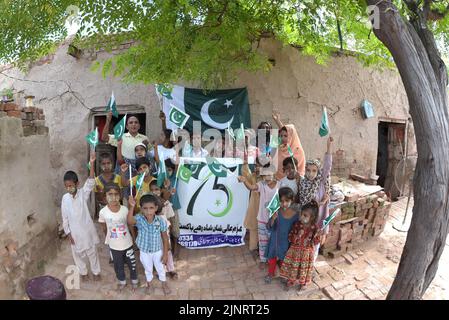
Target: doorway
<point>391,148</point>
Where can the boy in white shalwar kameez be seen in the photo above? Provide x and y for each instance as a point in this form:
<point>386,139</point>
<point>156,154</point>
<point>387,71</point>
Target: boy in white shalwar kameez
<point>78,224</point>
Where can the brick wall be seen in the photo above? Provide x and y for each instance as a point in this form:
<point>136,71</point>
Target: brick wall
<point>33,119</point>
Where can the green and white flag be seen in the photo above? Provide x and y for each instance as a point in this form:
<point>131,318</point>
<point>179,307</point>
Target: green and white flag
<point>92,138</point>
<point>196,168</point>
<point>184,173</point>
<point>164,90</point>
<point>161,173</point>
<point>217,109</point>
<point>178,117</point>
<point>216,167</point>
<point>274,204</point>
<point>240,133</point>
<point>290,152</point>
<point>230,131</point>
<point>112,106</point>
<point>330,218</point>
<point>119,128</point>
<point>139,182</point>
<point>275,141</point>
<point>324,127</point>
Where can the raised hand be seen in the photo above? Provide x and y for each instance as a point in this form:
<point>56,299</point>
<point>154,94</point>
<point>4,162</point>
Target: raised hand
<point>276,115</point>
<point>131,201</point>
<point>93,156</point>
<point>242,179</point>
<point>109,116</point>
<point>124,167</point>
<point>162,115</point>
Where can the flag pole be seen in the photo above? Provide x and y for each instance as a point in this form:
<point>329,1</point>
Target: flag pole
<point>130,181</point>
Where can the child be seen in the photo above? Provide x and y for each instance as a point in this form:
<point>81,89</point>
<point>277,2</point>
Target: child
<point>171,194</point>
<point>142,165</point>
<point>163,148</point>
<point>291,176</point>
<point>78,224</point>
<point>107,176</point>
<point>280,225</point>
<point>194,150</point>
<point>140,151</point>
<point>315,186</point>
<point>267,188</point>
<point>297,267</point>
<point>167,213</point>
<point>289,141</point>
<point>152,238</point>
<point>114,223</point>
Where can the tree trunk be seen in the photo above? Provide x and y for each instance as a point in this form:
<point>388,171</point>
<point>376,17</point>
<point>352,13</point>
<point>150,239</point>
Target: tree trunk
<point>425,80</point>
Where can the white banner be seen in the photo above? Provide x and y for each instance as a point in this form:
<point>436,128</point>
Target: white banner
<point>212,208</point>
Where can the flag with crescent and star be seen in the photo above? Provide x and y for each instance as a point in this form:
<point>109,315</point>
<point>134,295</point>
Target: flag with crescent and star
<point>112,106</point>
<point>216,167</point>
<point>178,117</point>
<point>92,138</point>
<point>274,204</point>
<point>219,109</point>
<point>119,128</point>
<point>184,173</point>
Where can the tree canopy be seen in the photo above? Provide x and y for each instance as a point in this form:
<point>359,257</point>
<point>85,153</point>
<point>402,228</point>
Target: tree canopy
<point>205,41</point>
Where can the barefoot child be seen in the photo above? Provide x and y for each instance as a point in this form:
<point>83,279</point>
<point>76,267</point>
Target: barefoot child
<point>78,224</point>
<point>297,267</point>
<point>167,213</point>
<point>292,177</point>
<point>152,238</point>
<point>280,225</point>
<point>107,176</point>
<point>113,218</point>
<point>267,189</point>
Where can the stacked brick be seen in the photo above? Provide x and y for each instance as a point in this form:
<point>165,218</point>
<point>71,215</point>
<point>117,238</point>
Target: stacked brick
<point>33,119</point>
<point>360,220</point>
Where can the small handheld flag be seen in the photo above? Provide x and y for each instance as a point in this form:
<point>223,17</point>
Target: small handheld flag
<point>130,181</point>
<point>330,218</point>
<point>164,90</point>
<point>274,204</point>
<point>290,152</point>
<point>92,138</point>
<point>139,182</point>
<point>216,167</point>
<point>324,127</point>
<point>112,106</point>
<point>275,141</point>
<point>119,128</point>
<point>161,174</point>
<point>178,117</point>
<point>184,173</point>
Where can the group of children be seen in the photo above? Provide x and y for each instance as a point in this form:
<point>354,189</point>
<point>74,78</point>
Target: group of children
<point>291,237</point>
<point>146,223</point>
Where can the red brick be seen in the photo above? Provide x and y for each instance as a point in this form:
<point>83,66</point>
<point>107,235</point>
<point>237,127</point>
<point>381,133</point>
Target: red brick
<point>10,107</point>
<point>14,113</point>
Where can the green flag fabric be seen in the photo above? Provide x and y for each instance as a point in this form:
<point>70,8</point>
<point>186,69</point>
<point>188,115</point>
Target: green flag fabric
<point>112,106</point>
<point>274,204</point>
<point>119,128</point>
<point>164,90</point>
<point>92,138</point>
<point>217,109</point>
<point>161,173</point>
<point>330,218</point>
<point>324,127</point>
<point>184,173</point>
<point>196,168</point>
<point>216,167</point>
<point>178,117</point>
<point>139,182</point>
<point>275,141</point>
<point>240,133</point>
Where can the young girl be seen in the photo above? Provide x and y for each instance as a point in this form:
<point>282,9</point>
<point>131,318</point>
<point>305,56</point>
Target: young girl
<point>280,225</point>
<point>166,213</point>
<point>315,186</point>
<point>163,148</point>
<point>194,150</point>
<point>289,140</point>
<point>114,223</point>
<point>152,238</point>
<point>297,267</point>
<point>267,188</point>
<point>107,176</point>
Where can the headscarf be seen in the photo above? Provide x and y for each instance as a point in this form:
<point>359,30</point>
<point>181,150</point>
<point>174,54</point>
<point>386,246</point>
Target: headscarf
<point>298,152</point>
<point>308,189</point>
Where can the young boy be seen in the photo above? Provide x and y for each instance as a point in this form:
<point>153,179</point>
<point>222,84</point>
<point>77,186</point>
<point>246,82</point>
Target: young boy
<point>107,176</point>
<point>292,176</point>
<point>152,238</point>
<point>78,224</point>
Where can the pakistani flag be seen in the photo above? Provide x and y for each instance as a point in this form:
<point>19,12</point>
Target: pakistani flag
<point>139,182</point>
<point>196,169</point>
<point>217,109</point>
<point>164,90</point>
<point>92,138</point>
<point>274,204</point>
<point>324,127</point>
<point>290,152</point>
<point>178,117</point>
<point>240,133</point>
<point>216,167</point>
<point>275,141</point>
<point>112,106</point>
<point>184,173</point>
<point>119,128</point>
<point>161,173</point>
<point>230,131</point>
<point>330,218</point>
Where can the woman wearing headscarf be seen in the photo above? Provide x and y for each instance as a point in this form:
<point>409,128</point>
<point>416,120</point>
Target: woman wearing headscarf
<point>289,142</point>
<point>315,186</point>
